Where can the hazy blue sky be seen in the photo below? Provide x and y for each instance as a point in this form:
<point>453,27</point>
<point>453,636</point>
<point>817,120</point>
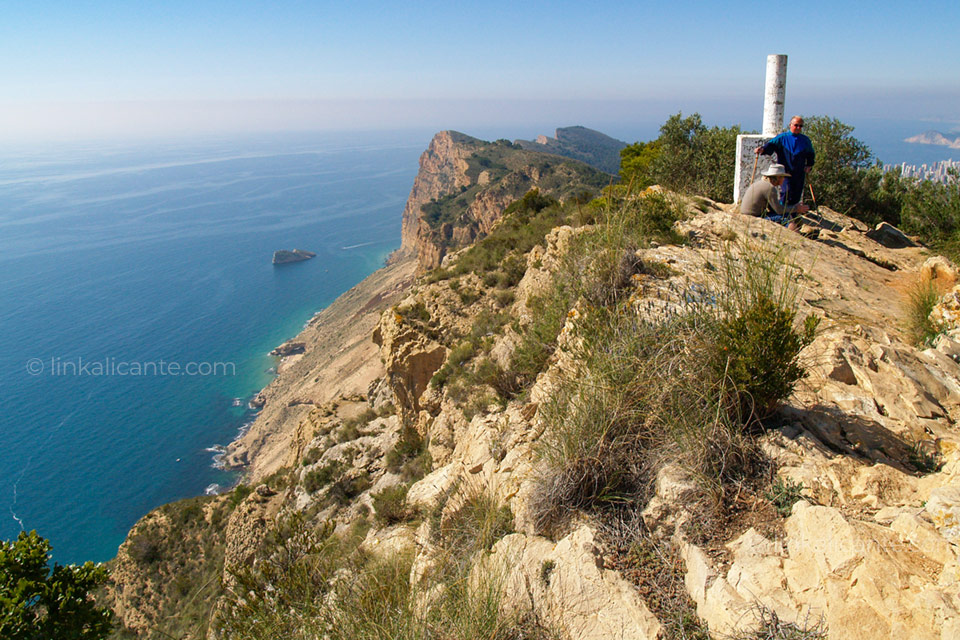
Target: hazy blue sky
<point>82,68</point>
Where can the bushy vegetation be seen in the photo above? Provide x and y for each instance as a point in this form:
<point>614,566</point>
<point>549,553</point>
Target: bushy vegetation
<point>179,559</point>
<point>38,602</point>
<point>932,211</point>
<point>597,268</point>
<point>687,385</point>
<point>756,339</point>
<point>687,157</point>
<point>921,299</point>
<point>390,505</point>
<point>313,583</point>
<point>410,458</point>
<point>784,493</point>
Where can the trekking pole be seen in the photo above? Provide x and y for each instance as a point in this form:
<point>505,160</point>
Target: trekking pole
<point>815,207</point>
<point>754,172</point>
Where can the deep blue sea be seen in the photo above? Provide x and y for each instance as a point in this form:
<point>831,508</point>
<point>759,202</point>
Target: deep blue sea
<point>125,258</point>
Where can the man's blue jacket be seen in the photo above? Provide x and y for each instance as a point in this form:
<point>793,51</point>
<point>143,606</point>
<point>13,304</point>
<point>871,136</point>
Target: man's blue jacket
<point>795,152</point>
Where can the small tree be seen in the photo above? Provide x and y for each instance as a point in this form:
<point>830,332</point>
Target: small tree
<point>835,175</point>
<point>37,603</point>
<point>636,161</point>
<point>688,157</point>
<point>932,211</point>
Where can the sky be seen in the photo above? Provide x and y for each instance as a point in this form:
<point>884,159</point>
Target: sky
<point>87,68</point>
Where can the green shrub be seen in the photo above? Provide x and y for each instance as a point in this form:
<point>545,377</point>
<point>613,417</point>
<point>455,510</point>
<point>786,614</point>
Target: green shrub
<point>312,455</point>
<point>347,487</point>
<point>504,298</point>
<point>468,295</point>
<point>759,349</point>
<point>453,366</point>
<point>145,547</point>
<point>239,493</point>
<point>317,479</point>
<point>39,602</point>
<point>932,211</point>
<point>416,312</point>
<point>487,323</point>
<point>840,158</point>
<point>353,427</point>
<point>390,504</point>
<point>758,342</point>
<point>784,493</point>
<point>687,157</point>
<point>409,457</point>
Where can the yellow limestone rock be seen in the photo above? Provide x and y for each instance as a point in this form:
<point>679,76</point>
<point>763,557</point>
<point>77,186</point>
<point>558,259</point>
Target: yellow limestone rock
<point>565,586</point>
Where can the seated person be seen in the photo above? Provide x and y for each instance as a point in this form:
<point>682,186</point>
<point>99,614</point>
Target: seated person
<point>763,197</point>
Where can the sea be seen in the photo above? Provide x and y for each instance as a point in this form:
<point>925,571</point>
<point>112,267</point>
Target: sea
<point>138,302</point>
<point>138,306</point>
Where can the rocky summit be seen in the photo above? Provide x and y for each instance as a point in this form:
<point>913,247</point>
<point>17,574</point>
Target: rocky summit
<point>544,420</point>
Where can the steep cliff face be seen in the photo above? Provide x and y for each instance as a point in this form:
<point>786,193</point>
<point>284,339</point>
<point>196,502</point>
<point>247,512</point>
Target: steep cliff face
<point>443,170</point>
<point>464,185</point>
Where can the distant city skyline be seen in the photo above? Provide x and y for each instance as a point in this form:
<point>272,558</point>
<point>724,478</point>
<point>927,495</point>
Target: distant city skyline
<point>109,68</point>
<point>942,172</point>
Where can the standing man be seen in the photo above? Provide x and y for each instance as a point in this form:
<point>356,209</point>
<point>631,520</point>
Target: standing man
<point>795,152</point>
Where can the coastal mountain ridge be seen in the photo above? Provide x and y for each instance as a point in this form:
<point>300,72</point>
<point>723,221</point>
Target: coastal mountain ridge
<point>408,426</point>
<point>935,137</point>
<point>580,143</point>
<point>464,185</point>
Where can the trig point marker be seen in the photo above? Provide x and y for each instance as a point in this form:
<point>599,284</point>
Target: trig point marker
<point>775,91</point>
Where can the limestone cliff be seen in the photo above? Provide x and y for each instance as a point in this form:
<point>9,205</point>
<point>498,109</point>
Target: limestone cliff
<point>414,404</point>
<point>464,185</point>
<point>443,170</point>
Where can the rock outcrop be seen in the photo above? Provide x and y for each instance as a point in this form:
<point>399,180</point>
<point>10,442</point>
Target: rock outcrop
<point>443,170</point>
<point>284,256</point>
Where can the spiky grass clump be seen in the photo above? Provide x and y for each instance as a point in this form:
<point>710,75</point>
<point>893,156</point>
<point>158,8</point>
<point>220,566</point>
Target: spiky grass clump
<point>689,387</point>
<point>310,583</point>
<point>921,299</point>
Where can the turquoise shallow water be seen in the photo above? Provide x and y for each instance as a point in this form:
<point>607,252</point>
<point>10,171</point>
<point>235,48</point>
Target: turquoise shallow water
<point>157,256</point>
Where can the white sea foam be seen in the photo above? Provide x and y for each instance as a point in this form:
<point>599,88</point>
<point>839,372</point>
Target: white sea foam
<point>356,246</point>
<point>242,431</point>
<point>212,489</point>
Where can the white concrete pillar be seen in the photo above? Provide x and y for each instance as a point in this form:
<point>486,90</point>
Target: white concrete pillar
<point>749,166</point>
<point>775,91</point>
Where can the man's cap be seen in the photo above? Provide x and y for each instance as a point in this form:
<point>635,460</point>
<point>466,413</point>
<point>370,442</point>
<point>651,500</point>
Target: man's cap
<point>775,170</point>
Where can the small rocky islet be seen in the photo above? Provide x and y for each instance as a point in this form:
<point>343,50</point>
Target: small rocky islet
<point>284,256</point>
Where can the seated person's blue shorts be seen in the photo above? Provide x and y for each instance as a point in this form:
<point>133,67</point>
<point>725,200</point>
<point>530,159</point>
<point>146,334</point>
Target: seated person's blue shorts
<point>785,219</point>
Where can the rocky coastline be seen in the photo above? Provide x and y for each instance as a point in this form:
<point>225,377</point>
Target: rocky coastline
<point>865,547</point>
